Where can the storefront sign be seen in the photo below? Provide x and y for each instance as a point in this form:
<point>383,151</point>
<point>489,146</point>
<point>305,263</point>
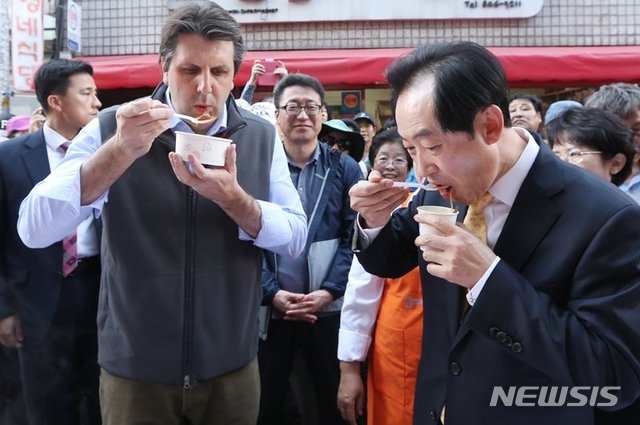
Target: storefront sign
<point>74,26</point>
<point>255,11</point>
<point>27,42</point>
<point>351,103</point>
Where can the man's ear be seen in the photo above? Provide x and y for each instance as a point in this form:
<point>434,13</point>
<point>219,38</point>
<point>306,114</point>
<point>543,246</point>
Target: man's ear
<point>54,102</point>
<point>489,123</point>
<point>617,163</point>
<point>165,71</point>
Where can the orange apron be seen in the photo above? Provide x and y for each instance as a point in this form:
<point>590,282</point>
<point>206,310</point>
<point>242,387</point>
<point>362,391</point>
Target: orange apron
<point>395,353</point>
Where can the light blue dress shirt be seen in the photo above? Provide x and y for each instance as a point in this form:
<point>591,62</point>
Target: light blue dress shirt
<point>632,188</point>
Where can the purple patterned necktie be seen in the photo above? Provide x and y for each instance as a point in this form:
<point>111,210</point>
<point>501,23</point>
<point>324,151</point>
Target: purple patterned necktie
<point>69,243</point>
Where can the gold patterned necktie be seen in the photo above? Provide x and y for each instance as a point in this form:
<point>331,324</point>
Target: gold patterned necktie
<point>474,220</point>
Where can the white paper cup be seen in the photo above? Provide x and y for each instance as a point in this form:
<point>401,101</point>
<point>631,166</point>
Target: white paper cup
<point>209,150</point>
<point>445,213</point>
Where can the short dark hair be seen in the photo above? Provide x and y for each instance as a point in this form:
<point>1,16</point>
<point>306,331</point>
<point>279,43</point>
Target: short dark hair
<point>535,100</point>
<point>53,78</point>
<point>325,105</point>
<point>467,79</point>
<point>388,123</point>
<point>205,19</point>
<point>297,79</point>
<point>384,137</point>
<point>598,130</point>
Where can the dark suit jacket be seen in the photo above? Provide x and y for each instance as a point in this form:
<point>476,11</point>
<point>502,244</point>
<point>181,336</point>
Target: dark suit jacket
<point>560,309</point>
<point>32,276</point>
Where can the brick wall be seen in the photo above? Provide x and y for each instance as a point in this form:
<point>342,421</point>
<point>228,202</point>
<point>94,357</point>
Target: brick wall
<point>120,27</point>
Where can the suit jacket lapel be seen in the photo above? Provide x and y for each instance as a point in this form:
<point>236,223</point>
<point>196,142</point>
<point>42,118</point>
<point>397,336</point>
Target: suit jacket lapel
<point>35,157</point>
<point>533,212</point>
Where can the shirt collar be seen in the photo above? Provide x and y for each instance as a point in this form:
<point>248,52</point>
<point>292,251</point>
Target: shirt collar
<point>220,124</point>
<point>506,188</point>
<point>314,157</point>
<point>632,184</point>
<point>52,138</point>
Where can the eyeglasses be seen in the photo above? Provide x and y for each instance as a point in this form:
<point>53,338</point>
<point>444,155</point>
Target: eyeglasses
<point>383,161</point>
<point>294,110</point>
<point>576,157</point>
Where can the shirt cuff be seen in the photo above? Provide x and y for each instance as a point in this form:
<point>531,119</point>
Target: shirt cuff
<point>282,232</point>
<point>352,347</point>
<point>474,292</point>
<point>366,236</point>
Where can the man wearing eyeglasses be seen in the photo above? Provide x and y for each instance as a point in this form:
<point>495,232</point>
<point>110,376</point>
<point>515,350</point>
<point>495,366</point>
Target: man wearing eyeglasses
<point>305,293</point>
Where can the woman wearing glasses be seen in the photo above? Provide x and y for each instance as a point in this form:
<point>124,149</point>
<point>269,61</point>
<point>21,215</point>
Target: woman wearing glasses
<point>602,143</point>
<point>595,140</point>
<point>394,306</point>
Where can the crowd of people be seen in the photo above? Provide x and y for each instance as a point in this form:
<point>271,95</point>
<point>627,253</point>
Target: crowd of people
<point>138,286</point>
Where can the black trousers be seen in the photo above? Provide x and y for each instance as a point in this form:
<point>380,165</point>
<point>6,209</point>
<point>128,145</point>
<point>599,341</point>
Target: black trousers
<point>60,374</point>
<point>318,344</point>
<point>12,411</point>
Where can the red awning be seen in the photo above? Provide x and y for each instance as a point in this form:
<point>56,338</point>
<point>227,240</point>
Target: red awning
<point>351,68</point>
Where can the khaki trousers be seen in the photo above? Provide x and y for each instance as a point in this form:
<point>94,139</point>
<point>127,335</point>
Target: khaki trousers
<point>231,399</point>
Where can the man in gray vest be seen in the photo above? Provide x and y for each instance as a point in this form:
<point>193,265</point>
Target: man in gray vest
<point>182,247</point>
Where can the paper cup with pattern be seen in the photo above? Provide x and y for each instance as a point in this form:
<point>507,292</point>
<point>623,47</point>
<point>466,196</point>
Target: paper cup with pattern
<point>445,213</point>
<point>209,150</point>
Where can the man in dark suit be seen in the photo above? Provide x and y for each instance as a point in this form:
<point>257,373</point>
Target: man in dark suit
<point>45,311</point>
<point>553,291</point>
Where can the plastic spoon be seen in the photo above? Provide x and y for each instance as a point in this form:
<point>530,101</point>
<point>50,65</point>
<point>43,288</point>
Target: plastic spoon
<point>194,120</point>
<point>414,185</point>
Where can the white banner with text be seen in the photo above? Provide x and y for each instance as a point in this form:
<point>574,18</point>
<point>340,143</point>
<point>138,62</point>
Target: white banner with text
<point>255,11</point>
<point>27,42</point>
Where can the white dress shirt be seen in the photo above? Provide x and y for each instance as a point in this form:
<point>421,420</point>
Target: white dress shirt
<point>504,191</point>
<point>359,312</point>
<point>87,240</point>
<point>360,308</point>
<point>52,209</point>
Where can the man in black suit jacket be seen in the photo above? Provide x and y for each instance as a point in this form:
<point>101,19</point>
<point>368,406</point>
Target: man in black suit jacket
<point>50,317</point>
<point>554,291</point>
